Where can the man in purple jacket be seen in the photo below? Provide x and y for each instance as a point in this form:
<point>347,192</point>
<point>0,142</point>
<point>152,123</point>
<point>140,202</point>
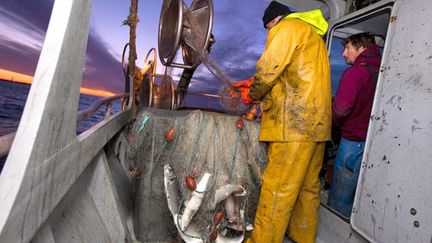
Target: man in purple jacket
<point>352,107</point>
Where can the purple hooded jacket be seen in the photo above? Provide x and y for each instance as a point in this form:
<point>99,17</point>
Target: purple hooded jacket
<point>353,101</point>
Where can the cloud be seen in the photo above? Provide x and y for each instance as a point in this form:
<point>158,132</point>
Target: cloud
<point>16,58</point>
<point>103,69</point>
<point>24,25</point>
<point>240,40</point>
<point>237,27</point>
<point>16,30</point>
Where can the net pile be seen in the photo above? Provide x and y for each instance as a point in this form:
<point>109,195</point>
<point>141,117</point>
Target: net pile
<point>204,142</point>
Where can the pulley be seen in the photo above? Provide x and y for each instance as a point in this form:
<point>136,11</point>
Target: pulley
<point>155,90</point>
<point>185,28</point>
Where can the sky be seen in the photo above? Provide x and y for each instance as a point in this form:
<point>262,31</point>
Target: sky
<point>237,27</point>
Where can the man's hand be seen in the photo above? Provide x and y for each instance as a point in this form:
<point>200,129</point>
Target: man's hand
<point>245,84</point>
<point>244,87</point>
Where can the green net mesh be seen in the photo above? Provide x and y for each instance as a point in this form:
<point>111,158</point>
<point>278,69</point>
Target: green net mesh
<point>203,142</point>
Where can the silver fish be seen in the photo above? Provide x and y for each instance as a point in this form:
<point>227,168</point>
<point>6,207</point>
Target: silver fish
<point>223,192</point>
<point>171,189</point>
<point>195,201</point>
<point>173,199</point>
<point>221,238</point>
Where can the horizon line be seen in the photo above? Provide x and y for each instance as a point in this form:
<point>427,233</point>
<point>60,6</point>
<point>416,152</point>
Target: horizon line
<point>16,77</point>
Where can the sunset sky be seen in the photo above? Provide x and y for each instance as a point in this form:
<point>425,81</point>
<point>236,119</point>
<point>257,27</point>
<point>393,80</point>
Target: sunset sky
<point>237,27</point>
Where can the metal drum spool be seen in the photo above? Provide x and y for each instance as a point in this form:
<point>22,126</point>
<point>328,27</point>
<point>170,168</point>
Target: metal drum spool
<point>188,28</point>
<point>162,92</point>
<point>157,90</point>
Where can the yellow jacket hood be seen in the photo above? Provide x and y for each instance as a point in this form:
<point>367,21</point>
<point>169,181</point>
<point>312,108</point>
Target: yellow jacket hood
<point>314,17</point>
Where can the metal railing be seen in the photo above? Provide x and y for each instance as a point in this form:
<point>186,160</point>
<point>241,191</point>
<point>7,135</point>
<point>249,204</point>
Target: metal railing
<point>7,140</point>
<point>89,112</point>
<point>208,97</point>
<point>6,143</point>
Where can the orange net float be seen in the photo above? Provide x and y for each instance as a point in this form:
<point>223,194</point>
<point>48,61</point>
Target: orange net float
<point>239,123</point>
<point>190,182</point>
<point>218,217</point>
<point>170,134</point>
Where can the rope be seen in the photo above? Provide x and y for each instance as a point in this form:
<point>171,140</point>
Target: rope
<point>231,166</point>
<point>196,143</point>
<point>259,154</point>
<point>177,134</point>
<point>153,169</point>
<point>214,174</point>
<point>144,122</point>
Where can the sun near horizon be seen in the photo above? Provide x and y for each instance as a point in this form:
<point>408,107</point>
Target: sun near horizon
<point>16,77</point>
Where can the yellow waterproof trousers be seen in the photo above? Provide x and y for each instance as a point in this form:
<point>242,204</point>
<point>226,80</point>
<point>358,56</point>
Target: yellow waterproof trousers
<point>289,193</point>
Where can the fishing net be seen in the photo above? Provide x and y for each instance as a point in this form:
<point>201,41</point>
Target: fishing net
<point>204,142</point>
<point>229,95</point>
<point>231,101</point>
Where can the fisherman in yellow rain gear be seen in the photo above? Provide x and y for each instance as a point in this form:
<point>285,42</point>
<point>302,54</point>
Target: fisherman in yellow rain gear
<point>292,80</point>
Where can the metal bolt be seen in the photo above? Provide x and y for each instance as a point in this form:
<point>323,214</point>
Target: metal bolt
<point>416,224</point>
<point>413,211</point>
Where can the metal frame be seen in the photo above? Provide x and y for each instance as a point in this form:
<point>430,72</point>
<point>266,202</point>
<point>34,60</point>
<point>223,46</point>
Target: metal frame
<point>209,30</point>
<point>172,89</point>
<point>352,17</point>
<point>153,71</point>
<point>178,28</point>
<point>178,35</point>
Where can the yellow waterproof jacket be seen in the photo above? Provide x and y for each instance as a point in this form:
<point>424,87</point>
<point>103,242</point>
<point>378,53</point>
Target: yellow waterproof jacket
<point>293,77</point>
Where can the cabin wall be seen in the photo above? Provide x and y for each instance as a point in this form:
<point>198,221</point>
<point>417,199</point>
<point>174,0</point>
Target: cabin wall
<point>393,202</point>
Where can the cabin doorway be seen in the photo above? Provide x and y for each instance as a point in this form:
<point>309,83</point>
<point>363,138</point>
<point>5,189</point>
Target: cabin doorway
<point>375,20</point>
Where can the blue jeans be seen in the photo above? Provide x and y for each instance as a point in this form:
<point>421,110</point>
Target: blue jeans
<point>345,175</point>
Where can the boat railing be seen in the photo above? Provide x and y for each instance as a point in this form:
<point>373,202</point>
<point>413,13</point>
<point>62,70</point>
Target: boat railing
<point>6,143</point>
<point>6,140</point>
<point>208,97</point>
<point>47,157</point>
<point>89,112</point>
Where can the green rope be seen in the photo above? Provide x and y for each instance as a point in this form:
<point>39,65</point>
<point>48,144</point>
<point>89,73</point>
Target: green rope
<point>153,169</point>
<point>171,150</point>
<point>197,139</point>
<point>214,174</point>
<point>144,122</point>
<point>259,155</point>
<point>231,166</point>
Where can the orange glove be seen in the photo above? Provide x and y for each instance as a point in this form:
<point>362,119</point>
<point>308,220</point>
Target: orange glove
<point>245,97</point>
<point>244,87</point>
<point>245,84</point>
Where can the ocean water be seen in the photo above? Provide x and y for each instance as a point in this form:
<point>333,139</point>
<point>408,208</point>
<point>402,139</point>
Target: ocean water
<point>12,100</point>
